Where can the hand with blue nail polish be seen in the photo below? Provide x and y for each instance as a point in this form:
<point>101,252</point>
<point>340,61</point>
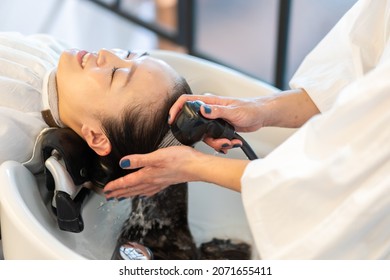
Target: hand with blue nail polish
<point>124,163</point>
<point>243,114</point>
<point>290,109</point>
<point>169,166</point>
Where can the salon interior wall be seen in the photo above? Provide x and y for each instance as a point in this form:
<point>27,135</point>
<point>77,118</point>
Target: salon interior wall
<point>80,23</point>
<point>241,34</point>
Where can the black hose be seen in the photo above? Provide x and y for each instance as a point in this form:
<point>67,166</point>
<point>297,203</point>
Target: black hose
<point>246,148</point>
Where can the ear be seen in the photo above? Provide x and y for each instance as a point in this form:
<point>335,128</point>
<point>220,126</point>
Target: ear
<point>96,139</point>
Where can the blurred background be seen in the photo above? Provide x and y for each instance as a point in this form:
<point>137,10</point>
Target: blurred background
<point>266,39</point>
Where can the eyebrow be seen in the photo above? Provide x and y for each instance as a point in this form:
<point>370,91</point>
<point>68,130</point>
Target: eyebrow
<point>141,55</point>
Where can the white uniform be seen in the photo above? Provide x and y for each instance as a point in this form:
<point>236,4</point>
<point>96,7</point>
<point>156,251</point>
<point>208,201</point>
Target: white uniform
<point>25,62</point>
<point>325,192</point>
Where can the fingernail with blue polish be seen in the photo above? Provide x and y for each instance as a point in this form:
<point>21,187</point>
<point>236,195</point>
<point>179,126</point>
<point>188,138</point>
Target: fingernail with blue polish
<point>207,109</point>
<point>225,145</point>
<point>125,163</point>
<point>122,198</point>
<point>110,199</point>
<point>236,146</point>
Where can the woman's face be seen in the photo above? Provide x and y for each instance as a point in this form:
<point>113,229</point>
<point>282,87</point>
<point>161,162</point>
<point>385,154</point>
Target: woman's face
<point>107,82</point>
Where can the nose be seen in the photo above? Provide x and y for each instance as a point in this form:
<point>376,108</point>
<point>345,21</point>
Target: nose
<point>110,58</point>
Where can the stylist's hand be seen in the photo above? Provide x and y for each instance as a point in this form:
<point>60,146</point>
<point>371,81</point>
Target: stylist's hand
<point>159,170</point>
<point>244,114</point>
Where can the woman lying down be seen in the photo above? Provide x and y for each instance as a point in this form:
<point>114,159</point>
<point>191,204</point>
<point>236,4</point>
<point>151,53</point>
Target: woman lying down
<point>118,102</point>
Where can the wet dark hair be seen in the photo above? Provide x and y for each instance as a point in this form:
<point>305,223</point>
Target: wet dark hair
<point>139,129</point>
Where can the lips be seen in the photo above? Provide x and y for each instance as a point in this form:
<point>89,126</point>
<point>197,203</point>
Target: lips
<point>80,56</point>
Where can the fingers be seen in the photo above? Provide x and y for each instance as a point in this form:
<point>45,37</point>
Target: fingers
<point>215,111</point>
<point>132,185</point>
<point>222,145</point>
<point>138,160</point>
<point>115,187</point>
<point>211,101</point>
<point>153,175</point>
<point>130,192</point>
<point>178,105</point>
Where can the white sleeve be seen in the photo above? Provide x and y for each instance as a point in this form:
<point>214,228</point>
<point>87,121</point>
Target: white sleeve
<point>351,49</point>
<point>325,192</point>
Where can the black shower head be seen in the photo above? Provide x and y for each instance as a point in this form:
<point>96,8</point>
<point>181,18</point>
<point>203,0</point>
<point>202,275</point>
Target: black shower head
<point>191,127</point>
